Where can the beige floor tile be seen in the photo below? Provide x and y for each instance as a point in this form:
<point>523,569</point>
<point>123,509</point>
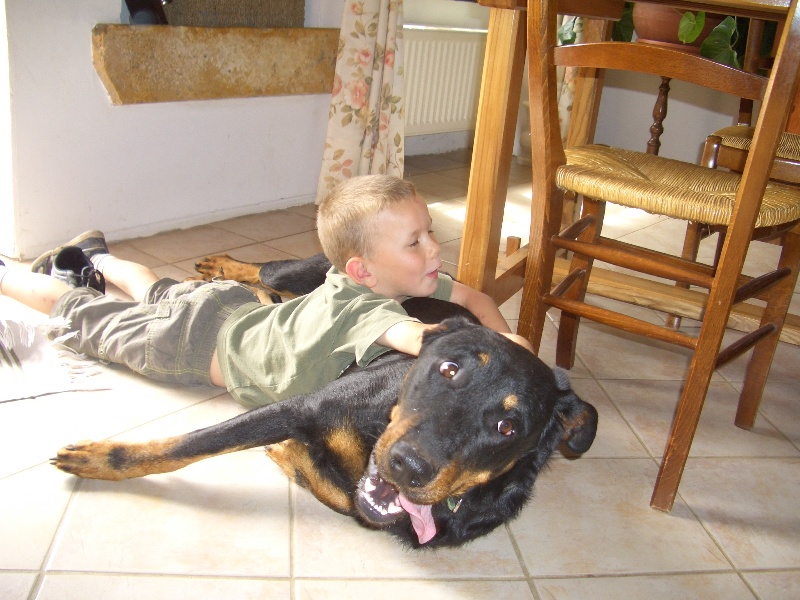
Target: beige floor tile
<point>592,517</point>
<point>16,586</point>
<point>728,586</point>
<point>32,504</point>
<point>650,405</point>
<point>78,586</point>
<point>127,251</point>
<point>750,506</point>
<point>401,590</point>
<point>435,184</point>
<point>175,272</point>
<point>449,253</point>
<point>784,364</point>
<point>460,175</point>
<point>38,427</point>
<point>547,352</point>
<point>255,253</point>
<point>614,354</point>
<point>222,517</point>
<point>614,437</point>
<point>301,245</point>
<point>665,235</point>
<point>307,210</point>
<point>775,585</point>
<point>438,162</point>
<point>186,243</point>
<point>268,226</point>
<point>779,407</point>
<point>329,545</point>
<point>620,220</point>
<point>448,219</point>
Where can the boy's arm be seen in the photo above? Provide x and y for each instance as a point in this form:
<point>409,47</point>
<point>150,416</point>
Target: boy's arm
<point>405,336</point>
<point>481,305</point>
<point>484,307</point>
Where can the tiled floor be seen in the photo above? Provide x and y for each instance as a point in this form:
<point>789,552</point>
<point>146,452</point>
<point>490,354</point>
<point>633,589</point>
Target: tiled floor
<point>232,527</point>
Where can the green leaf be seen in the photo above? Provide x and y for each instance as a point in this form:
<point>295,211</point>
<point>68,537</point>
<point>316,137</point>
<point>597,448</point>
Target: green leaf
<point>566,33</point>
<point>691,26</point>
<point>623,29</point>
<point>719,44</point>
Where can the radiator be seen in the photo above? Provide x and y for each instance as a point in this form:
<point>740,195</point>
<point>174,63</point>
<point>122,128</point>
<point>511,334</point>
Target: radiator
<point>442,79</point>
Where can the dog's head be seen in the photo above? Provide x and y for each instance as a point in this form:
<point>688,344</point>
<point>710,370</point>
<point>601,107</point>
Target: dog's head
<point>473,408</point>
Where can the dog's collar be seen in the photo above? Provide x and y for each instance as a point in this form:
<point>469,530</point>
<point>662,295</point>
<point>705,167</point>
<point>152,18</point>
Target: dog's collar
<point>454,504</point>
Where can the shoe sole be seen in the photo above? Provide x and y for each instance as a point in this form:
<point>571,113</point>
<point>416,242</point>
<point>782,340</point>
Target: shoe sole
<point>44,262</point>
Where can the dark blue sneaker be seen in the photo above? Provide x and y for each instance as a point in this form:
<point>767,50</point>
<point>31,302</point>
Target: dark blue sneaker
<point>73,267</point>
<point>91,242</point>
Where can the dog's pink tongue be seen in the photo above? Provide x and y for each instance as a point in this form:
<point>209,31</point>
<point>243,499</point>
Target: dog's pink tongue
<point>421,519</point>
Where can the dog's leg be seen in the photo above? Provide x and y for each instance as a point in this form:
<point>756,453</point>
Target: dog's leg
<point>225,267</point>
<point>123,460</point>
<point>294,459</point>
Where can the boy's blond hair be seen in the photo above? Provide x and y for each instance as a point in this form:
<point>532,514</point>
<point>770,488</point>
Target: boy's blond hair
<point>346,217</point>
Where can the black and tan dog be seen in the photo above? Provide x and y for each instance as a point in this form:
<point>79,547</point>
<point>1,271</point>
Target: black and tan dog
<point>436,450</point>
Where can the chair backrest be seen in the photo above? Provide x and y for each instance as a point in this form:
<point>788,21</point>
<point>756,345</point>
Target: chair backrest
<point>776,93</point>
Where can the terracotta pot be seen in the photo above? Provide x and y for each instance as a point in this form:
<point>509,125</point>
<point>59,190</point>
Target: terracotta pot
<point>657,24</point>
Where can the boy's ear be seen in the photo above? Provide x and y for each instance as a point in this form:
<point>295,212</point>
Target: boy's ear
<point>356,269</point>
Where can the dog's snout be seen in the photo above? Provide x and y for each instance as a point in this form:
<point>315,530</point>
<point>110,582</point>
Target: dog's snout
<point>408,468</point>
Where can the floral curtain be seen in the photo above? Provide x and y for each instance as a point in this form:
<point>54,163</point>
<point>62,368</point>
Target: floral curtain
<point>566,75</point>
<point>365,124</point>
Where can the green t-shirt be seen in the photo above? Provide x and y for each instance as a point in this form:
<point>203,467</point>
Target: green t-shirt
<point>271,352</point>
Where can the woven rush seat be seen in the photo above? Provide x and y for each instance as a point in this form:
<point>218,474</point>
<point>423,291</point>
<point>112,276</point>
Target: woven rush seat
<point>740,136</point>
<point>668,187</point>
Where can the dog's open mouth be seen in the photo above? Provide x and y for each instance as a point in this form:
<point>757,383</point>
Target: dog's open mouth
<point>380,504</point>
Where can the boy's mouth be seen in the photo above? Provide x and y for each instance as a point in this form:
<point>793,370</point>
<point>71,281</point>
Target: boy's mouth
<point>435,272</point>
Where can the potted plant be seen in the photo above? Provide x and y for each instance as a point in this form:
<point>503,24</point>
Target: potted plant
<point>713,36</point>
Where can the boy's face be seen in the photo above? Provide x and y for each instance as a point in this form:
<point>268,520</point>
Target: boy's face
<point>405,256</point>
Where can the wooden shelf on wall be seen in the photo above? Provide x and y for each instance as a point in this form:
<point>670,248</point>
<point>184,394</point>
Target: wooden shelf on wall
<point>144,63</point>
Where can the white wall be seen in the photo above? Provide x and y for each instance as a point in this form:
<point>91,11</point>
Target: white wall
<point>626,114</point>
<point>80,163</point>
<point>445,13</point>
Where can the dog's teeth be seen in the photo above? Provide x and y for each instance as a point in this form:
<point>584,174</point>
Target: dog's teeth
<point>394,509</point>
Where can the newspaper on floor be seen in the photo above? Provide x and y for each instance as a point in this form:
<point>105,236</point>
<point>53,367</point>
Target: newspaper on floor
<point>31,365</point>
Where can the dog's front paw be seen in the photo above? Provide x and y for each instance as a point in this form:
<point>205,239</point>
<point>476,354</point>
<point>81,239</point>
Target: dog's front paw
<point>213,266</point>
<point>223,266</point>
<point>92,460</point>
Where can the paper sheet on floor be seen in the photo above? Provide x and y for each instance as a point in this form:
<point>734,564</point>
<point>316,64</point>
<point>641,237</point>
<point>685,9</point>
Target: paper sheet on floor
<point>31,365</point>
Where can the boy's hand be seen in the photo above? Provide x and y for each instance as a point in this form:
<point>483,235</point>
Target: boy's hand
<point>518,339</point>
<point>405,336</point>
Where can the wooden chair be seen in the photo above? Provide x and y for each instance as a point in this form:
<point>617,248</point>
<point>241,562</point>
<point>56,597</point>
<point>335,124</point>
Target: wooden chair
<point>673,188</point>
<point>728,147</point>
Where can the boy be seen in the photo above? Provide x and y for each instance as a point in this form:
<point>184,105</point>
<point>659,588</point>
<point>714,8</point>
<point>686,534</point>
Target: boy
<point>376,232</point>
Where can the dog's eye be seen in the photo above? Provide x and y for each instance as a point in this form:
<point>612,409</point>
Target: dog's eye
<point>506,427</point>
<point>448,369</point>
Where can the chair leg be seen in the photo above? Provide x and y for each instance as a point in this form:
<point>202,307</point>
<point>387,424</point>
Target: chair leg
<point>775,312</point>
<point>718,308</point>
<point>568,323</point>
<point>545,223</point>
<point>695,232</point>
<point>687,416</point>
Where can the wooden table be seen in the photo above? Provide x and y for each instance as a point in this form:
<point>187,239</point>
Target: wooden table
<point>479,263</point>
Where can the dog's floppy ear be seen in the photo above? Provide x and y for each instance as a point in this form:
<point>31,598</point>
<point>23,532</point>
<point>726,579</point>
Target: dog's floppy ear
<point>445,327</point>
<point>578,418</point>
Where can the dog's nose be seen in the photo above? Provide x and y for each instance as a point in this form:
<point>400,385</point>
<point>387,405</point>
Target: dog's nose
<point>408,468</point>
